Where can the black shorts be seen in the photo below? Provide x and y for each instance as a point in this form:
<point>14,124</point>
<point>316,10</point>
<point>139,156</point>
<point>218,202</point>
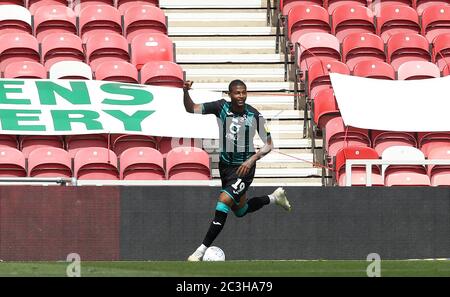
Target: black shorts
<point>232,184</point>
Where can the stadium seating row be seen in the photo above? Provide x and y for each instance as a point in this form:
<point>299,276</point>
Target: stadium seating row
<point>118,143</point>
<point>354,33</point>
<point>431,145</point>
<point>400,48</point>
<point>144,45</point>
<point>121,5</point>
<point>98,163</point>
<point>330,5</point>
<point>395,175</point>
<point>151,53</point>
<point>159,73</point>
<point>348,18</point>
<point>318,77</point>
<point>336,136</point>
<point>94,18</point>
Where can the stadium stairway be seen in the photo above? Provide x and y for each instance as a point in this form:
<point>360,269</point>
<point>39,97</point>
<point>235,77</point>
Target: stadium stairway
<point>221,40</point>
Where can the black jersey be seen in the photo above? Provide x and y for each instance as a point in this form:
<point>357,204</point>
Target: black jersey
<point>237,130</point>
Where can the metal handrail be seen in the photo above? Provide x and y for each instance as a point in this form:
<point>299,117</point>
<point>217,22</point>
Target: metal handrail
<point>370,162</point>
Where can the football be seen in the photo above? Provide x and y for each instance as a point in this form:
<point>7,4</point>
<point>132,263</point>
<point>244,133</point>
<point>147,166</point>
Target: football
<point>214,253</point>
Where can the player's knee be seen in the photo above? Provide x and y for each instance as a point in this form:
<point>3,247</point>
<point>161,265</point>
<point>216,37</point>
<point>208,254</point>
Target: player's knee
<point>241,211</point>
<point>220,206</point>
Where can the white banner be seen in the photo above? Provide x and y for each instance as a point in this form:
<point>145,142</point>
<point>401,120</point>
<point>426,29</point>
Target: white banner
<point>400,105</point>
<point>67,107</point>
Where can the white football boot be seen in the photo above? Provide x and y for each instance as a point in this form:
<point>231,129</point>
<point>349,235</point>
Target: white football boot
<point>196,256</point>
<point>281,199</point>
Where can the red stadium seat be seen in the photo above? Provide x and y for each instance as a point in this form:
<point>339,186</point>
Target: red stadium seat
<point>34,5</point>
<point>337,136</point>
<point>417,70</point>
<point>306,18</point>
<point>435,21</point>
<point>318,76</point>
<point>439,174</point>
<point>143,19</point>
<point>17,47</point>
<point>286,5</point>
<point>430,140</point>
<point>49,162</point>
<point>13,2</point>
<point>188,163</point>
<point>374,69</point>
<point>148,47</point>
<point>404,175</point>
<point>123,5</point>
<point>358,171</point>
<point>381,140</point>
<point>70,70</point>
<point>319,86</point>
<point>15,19</point>
<point>95,163</point>
<point>395,19</point>
<point>324,107</point>
<point>100,19</point>
<point>106,47</point>
<point>25,69</point>
<point>166,144</point>
<point>122,142</point>
<point>12,163</point>
<point>317,46</point>
<point>118,71</point>
<point>331,5</point>
<point>441,50</point>
<point>351,18</point>
<point>58,47</point>
<point>403,47</point>
<point>407,177</point>
<point>54,19</point>
<point>79,5</point>
<point>142,163</point>
<point>10,141</point>
<point>358,47</point>
<point>76,142</point>
<point>421,5</point>
<point>410,3</point>
<point>29,143</point>
<point>446,70</point>
<point>162,73</point>
<point>377,5</point>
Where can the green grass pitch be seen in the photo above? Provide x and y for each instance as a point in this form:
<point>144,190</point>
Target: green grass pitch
<point>228,268</point>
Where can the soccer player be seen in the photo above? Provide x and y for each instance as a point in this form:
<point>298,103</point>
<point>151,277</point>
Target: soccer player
<point>238,123</point>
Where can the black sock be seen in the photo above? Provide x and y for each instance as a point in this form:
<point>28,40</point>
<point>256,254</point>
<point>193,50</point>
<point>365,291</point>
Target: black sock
<point>256,203</point>
<point>215,227</point>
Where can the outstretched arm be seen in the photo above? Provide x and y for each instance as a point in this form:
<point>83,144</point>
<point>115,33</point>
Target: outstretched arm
<point>190,106</point>
<point>244,169</point>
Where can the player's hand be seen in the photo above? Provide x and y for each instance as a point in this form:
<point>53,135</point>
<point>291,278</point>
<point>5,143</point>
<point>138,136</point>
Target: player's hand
<point>187,85</point>
<point>245,168</point>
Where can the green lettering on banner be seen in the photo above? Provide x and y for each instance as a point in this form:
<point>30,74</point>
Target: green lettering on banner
<point>10,118</point>
<point>140,97</point>
<point>4,91</point>
<point>133,122</point>
<point>62,119</point>
<point>78,94</point>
